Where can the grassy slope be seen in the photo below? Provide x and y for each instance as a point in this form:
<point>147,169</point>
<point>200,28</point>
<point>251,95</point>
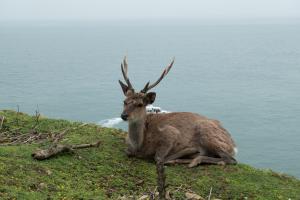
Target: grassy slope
<point>105,172</point>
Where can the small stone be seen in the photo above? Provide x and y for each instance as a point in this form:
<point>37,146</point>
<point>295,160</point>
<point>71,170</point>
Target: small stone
<point>89,182</point>
<point>192,196</point>
<point>143,197</point>
<point>140,182</point>
<point>48,172</point>
<point>42,185</point>
<point>168,196</point>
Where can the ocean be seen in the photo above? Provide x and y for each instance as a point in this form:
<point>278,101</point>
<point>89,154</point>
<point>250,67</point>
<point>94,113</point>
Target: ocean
<point>246,76</point>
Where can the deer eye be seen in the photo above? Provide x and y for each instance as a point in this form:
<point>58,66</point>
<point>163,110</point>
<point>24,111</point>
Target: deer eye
<point>125,103</point>
<point>140,105</point>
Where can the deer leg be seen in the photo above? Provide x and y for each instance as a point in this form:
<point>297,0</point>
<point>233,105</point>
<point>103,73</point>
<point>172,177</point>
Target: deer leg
<point>129,152</point>
<point>206,159</point>
<point>183,152</point>
<point>179,161</point>
<point>227,158</point>
<point>164,149</point>
<point>162,152</point>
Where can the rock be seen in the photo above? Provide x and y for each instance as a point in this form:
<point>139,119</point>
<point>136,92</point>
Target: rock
<point>168,196</point>
<point>126,198</point>
<point>139,182</point>
<point>192,196</point>
<point>42,185</point>
<point>48,172</point>
<point>143,197</point>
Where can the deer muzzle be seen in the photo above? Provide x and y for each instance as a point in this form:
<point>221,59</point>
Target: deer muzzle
<point>124,116</point>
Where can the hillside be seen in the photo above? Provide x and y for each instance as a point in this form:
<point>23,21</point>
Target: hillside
<point>106,173</point>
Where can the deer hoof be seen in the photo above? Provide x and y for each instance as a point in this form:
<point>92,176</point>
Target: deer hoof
<point>170,162</point>
<point>222,163</point>
<point>195,162</point>
<point>158,159</point>
<point>129,153</point>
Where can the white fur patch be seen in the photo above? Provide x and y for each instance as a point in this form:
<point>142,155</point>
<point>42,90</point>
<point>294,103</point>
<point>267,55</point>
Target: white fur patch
<point>235,150</point>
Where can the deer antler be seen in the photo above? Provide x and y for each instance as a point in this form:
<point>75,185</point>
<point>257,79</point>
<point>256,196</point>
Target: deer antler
<point>124,68</point>
<point>165,72</point>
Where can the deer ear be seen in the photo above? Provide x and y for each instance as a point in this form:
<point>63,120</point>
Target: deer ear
<point>124,87</point>
<point>149,98</point>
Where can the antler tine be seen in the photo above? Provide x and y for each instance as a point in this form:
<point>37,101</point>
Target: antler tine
<point>124,68</point>
<point>165,72</point>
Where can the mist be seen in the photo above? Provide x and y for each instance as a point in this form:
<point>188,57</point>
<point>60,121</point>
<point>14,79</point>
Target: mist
<point>14,10</point>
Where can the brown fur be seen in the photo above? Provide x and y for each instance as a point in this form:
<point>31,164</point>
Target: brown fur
<point>163,136</point>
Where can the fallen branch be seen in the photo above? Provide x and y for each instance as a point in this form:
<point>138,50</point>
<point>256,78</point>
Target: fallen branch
<point>55,148</point>
<point>60,148</point>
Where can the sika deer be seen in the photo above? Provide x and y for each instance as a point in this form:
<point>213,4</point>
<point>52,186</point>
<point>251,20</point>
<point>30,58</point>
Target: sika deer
<point>178,137</point>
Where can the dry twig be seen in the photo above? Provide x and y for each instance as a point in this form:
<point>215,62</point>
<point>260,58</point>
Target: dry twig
<point>18,112</point>
<point>37,117</point>
<point>12,137</point>
<point>161,178</point>
<point>209,193</point>
<point>2,120</point>
<point>59,136</point>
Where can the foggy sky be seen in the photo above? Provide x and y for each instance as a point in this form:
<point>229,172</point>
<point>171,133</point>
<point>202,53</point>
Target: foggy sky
<point>147,9</point>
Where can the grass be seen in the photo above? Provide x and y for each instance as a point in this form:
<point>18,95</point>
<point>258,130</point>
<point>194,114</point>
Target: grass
<point>106,172</point>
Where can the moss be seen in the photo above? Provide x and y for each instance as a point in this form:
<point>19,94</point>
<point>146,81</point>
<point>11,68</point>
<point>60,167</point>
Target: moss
<point>106,172</point>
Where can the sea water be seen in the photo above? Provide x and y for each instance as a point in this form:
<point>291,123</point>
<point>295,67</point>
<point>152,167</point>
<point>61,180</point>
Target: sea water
<point>246,76</point>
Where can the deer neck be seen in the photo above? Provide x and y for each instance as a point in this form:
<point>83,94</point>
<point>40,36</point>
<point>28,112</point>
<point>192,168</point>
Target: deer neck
<point>136,133</point>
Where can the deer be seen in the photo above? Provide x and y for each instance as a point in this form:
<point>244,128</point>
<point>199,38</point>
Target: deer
<point>172,138</point>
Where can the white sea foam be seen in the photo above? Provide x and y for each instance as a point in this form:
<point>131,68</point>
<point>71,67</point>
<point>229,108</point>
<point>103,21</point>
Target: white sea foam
<point>117,120</point>
<point>110,122</point>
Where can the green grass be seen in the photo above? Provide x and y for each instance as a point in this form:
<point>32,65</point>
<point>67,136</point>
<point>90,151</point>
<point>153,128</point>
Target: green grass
<point>106,172</point>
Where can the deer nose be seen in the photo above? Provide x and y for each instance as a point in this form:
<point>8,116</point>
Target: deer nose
<point>124,116</point>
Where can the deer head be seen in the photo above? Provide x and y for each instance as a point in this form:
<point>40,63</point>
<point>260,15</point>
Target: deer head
<point>135,102</point>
